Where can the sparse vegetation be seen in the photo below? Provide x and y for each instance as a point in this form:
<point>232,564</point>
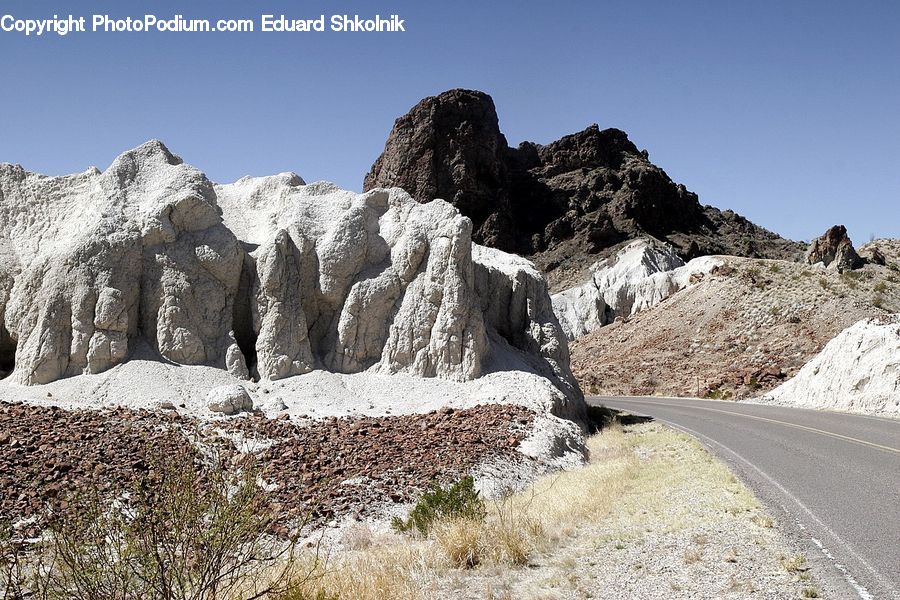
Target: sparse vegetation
<point>793,564</point>
<point>458,501</point>
<point>692,555</point>
<point>459,529</point>
<point>764,521</point>
<point>188,530</point>
<point>719,394</point>
<point>878,300</point>
<point>810,592</point>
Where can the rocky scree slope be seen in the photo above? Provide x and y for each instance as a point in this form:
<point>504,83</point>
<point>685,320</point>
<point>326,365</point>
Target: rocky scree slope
<point>561,204</point>
<point>266,277</point>
<point>325,469</point>
<point>739,331</point>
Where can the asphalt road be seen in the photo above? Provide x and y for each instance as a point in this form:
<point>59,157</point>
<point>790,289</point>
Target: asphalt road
<point>832,480</point>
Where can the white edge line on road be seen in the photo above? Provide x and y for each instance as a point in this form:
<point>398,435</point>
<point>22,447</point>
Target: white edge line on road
<point>860,590</point>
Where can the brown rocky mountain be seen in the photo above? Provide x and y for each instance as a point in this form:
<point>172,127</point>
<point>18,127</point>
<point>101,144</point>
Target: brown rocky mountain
<point>564,204</point>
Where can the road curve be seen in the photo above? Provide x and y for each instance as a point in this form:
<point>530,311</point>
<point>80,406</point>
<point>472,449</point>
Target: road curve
<point>832,480</point>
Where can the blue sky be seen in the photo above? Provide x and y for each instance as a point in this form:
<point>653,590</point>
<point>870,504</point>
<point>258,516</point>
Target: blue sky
<point>787,112</point>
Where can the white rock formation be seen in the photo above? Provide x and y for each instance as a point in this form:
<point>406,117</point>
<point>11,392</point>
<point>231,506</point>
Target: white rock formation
<point>94,259</point>
<point>229,399</point>
<point>638,277</point>
<point>517,306</point>
<point>857,371</point>
<point>267,277</point>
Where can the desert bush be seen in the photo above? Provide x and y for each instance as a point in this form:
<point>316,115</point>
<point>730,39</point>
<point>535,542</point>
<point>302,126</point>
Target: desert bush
<point>878,300</point>
<point>880,287</point>
<point>793,564</point>
<point>719,394</point>
<point>458,501</point>
<point>187,530</point>
<point>13,577</point>
<point>508,535</point>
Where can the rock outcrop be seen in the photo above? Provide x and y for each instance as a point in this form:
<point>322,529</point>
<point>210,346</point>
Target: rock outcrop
<point>857,371</point>
<point>99,258</point>
<point>639,276</point>
<point>835,250</point>
<point>561,204</point>
<point>267,278</point>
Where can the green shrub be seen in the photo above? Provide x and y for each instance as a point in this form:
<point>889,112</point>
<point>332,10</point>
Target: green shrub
<point>719,394</point>
<point>458,501</point>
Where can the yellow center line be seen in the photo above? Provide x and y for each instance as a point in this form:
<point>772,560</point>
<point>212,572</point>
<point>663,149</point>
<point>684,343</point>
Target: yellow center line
<point>804,427</point>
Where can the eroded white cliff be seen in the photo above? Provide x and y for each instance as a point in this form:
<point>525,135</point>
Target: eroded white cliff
<point>266,278</point>
<point>641,275</point>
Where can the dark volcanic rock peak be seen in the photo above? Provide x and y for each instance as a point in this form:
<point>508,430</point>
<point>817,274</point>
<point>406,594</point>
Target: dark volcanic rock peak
<point>562,204</point>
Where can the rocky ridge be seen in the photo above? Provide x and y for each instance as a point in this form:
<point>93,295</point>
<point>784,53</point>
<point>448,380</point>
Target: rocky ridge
<point>267,277</point>
<point>562,204</point>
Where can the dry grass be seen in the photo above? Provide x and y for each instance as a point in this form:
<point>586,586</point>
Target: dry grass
<point>764,521</point>
<point>385,571</point>
<point>625,484</point>
<point>461,540</point>
<point>793,564</point>
<point>692,555</point>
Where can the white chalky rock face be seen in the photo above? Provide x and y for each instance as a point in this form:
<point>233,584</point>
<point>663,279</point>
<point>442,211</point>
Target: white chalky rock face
<point>356,281</point>
<point>266,277</point>
<point>857,371</point>
<point>638,277</point>
<point>516,304</point>
<point>96,258</point>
